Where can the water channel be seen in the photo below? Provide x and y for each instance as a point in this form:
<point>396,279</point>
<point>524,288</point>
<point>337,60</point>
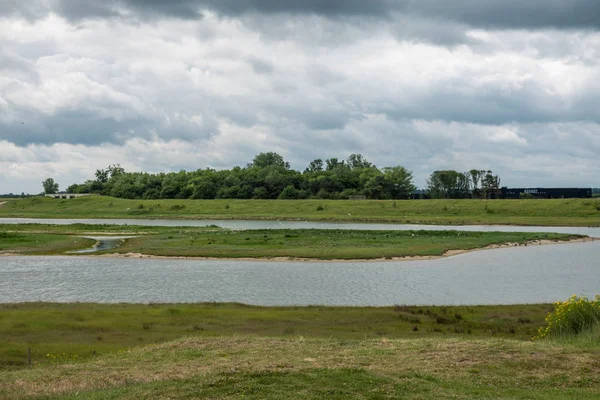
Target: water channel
<point>531,274</point>
<point>250,224</point>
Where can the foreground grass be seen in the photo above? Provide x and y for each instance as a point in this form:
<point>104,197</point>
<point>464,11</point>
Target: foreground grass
<point>68,330</point>
<point>307,368</point>
<point>566,212</point>
<point>233,351</point>
<point>300,243</point>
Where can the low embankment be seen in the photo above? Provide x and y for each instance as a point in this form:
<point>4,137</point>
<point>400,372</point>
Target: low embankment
<point>559,212</point>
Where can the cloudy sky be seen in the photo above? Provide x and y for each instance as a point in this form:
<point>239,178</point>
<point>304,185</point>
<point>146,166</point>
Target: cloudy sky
<point>507,85</point>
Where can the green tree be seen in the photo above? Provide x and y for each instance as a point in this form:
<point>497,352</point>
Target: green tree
<point>264,160</point>
<point>441,183</point>
<point>102,175</point>
<point>289,193</point>
<point>490,185</point>
<point>50,187</point>
<point>398,182</point>
<point>476,176</point>
<point>333,163</point>
<point>115,170</point>
<point>356,161</point>
<point>315,166</point>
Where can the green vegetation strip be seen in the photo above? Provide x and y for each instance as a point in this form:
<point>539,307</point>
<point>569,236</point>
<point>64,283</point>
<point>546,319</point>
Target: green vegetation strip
<point>80,329</point>
<point>40,243</point>
<point>235,351</point>
<point>293,244</point>
<point>557,212</point>
<point>322,244</point>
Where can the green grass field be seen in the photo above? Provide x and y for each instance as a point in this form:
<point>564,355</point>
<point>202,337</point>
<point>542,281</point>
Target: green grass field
<point>566,212</point>
<point>223,243</point>
<point>218,351</point>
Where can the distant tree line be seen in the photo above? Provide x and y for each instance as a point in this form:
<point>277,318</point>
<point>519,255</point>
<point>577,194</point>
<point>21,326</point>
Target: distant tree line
<point>450,184</point>
<point>268,176</point>
<point>16,196</point>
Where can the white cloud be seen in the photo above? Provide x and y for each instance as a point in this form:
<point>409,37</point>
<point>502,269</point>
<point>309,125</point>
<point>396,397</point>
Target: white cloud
<point>159,94</point>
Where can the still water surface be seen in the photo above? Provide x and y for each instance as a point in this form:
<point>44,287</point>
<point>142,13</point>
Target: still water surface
<point>242,224</point>
<point>530,274</point>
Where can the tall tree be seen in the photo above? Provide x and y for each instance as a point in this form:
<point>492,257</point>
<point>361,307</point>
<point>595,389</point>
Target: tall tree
<point>50,187</point>
<point>443,184</point>
<point>356,161</point>
<point>334,163</point>
<point>269,159</point>
<point>490,185</point>
<point>476,176</point>
<point>398,182</point>
<point>102,175</point>
<point>315,166</point>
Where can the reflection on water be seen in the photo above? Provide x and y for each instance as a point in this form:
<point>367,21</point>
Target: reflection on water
<point>530,274</point>
<point>240,224</point>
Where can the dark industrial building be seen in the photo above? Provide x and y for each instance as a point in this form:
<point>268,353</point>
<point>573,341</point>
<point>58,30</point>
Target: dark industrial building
<point>546,193</point>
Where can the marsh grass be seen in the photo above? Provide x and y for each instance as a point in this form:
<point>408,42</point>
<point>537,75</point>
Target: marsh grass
<point>75,328</point>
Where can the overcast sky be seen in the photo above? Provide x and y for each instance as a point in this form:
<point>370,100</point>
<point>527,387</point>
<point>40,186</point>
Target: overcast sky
<point>507,85</point>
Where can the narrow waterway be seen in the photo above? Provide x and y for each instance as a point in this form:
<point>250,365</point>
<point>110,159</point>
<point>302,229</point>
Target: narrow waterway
<point>102,243</point>
<point>531,274</point>
<point>248,224</point>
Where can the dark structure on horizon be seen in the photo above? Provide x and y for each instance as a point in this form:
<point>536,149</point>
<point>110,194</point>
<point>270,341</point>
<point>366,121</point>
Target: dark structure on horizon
<point>546,193</point>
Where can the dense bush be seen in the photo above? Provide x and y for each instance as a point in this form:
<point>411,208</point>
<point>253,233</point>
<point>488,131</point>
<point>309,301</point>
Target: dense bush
<point>571,317</point>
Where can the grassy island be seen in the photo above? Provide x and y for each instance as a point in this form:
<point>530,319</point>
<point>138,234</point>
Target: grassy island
<point>214,242</point>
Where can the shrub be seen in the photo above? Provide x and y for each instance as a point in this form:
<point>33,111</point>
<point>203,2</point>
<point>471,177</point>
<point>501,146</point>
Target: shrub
<point>571,317</point>
<point>440,319</point>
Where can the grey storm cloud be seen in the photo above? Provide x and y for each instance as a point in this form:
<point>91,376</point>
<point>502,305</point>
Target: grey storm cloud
<point>499,14</point>
<point>88,127</point>
<point>154,84</point>
<point>81,9</point>
<point>259,66</point>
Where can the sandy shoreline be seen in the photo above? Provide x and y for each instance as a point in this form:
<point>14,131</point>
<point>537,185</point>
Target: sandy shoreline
<point>449,253</point>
